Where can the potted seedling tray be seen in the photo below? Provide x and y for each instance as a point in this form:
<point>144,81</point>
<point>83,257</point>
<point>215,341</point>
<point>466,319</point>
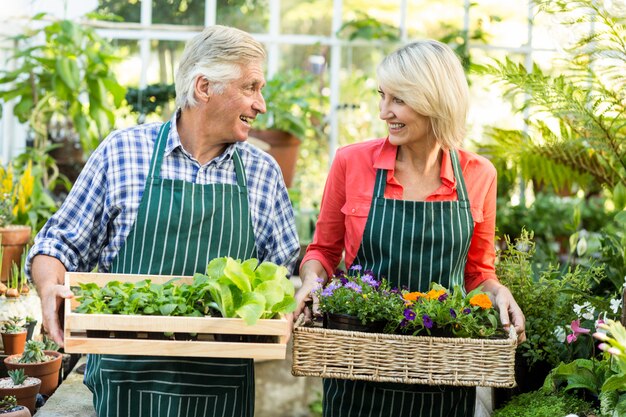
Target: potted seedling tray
<point>144,334</point>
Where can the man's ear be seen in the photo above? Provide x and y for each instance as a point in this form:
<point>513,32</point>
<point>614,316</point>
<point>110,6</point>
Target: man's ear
<point>202,89</point>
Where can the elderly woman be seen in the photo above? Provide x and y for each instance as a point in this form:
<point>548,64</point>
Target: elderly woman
<point>166,198</point>
<point>413,207</point>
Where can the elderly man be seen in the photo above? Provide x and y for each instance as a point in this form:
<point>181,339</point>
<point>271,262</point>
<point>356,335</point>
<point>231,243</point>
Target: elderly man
<point>165,199</point>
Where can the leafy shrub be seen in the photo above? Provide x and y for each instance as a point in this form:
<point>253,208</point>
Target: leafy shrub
<point>543,404</point>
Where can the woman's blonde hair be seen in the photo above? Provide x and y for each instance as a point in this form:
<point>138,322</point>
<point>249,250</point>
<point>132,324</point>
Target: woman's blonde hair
<point>217,53</point>
<point>428,76</point>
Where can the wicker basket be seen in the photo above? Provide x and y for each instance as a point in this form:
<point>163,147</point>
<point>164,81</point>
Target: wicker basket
<point>404,359</point>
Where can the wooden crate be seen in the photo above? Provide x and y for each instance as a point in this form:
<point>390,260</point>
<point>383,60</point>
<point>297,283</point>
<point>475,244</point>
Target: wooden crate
<point>77,325</point>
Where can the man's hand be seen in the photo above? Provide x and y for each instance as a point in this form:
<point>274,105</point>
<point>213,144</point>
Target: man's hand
<point>48,274</point>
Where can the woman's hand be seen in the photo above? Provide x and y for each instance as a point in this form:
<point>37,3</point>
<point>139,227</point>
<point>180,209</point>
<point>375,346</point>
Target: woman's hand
<point>510,312</point>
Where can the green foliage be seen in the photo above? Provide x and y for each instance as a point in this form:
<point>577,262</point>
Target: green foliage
<point>248,289</point>
<point>577,117</point>
<point>172,298</point>
<point>50,344</point>
<point>8,403</point>
<point>34,352</point>
<point>293,103</point>
<point>543,404</point>
<point>547,301</point>
<point>150,99</point>
<point>12,325</point>
<point>17,376</point>
<point>55,77</point>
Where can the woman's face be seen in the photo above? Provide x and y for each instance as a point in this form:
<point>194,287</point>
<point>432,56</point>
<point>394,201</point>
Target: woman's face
<point>232,111</point>
<point>404,124</point>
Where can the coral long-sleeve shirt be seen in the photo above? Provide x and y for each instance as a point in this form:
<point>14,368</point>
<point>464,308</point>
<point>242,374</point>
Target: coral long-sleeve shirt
<point>348,195</point>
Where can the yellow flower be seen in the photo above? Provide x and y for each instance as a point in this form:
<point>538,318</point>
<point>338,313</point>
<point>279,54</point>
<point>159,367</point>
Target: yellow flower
<point>481,300</point>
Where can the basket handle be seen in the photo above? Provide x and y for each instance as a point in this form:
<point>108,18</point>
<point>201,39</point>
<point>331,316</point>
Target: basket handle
<point>299,321</point>
<point>512,332</point>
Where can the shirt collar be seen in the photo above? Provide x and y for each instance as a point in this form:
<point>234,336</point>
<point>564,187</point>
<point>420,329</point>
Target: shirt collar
<point>173,142</point>
<point>386,159</point>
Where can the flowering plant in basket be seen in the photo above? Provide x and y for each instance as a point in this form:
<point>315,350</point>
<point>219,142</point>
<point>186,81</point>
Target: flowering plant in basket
<point>441,312</point>
<point>358,293</point>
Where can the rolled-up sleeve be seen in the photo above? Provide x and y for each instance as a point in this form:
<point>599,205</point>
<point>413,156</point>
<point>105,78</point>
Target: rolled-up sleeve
<point>74,234</point>
<point>482,253</point>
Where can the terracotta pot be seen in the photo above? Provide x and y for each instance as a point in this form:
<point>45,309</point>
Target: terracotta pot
<point>19,411</point>
<point>26,395</point>
<point>351,323</point>
<point>48,372</point>
<point>14,239</point>
<point>14,342</point>
<point>283,148</point>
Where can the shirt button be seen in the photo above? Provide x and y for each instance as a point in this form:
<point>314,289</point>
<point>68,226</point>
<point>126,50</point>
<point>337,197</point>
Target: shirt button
<point>353,210</point>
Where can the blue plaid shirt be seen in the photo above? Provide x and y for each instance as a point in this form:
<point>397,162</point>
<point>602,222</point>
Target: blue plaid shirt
<point>92,224</point>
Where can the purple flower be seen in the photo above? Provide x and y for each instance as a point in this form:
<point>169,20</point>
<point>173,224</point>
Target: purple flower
<point>354,286</point>
<point>330,289</point>
<point>356,267</point>
<point>403,323</point>
<point>368,272</point>
<point>428,323</point>
<point>339,273</point>
<point>443,297</point>
<point>343,280</point>
<point>370,280</point>
<point>409,314</point>
<point>452,313</point>
<point>467,310</point>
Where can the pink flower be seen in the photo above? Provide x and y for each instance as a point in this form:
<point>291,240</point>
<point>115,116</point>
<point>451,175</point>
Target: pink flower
<point>576,330</point>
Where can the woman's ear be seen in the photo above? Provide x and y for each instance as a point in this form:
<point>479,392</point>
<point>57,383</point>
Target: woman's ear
<point>202,89</point>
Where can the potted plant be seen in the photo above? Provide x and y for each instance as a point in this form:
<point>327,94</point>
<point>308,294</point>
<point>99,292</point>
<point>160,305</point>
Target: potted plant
<point>38,362</point>
<point>291,99</point>
<point>21,386</point>
<point>64,87</point>
<point>10,408</point>
<point>357,301</point>
<point>13,336</point>
<point>15,203</point>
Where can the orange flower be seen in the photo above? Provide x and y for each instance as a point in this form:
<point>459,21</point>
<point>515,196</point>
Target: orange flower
<point>435,294</point>
<point>413,296</point>
<point>481,300</point>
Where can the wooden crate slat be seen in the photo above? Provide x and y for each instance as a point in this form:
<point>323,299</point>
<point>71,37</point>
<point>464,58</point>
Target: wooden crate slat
<point>274,327</point>
<point>175,348</point>
<point>76,324</point>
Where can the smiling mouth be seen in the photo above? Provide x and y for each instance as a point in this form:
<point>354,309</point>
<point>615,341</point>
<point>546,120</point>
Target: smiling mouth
<point>246,120</point>
<point>396,125</point>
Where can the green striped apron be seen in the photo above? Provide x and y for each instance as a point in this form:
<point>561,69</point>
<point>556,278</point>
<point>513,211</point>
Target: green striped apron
<point>179,228</point>
<point>411,243</point>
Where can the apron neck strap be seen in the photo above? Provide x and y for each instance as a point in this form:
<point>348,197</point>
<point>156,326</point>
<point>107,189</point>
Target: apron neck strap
<point>159,150</point>
<point>461,190</point>
<point>381,179</point>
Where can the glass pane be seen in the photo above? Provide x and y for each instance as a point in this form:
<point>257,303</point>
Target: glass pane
<point>488,106</point>
<point>128,11</point>
<point>504,23</point>
<point>312,17</point>
<point>436,20</point>
<point>370,19</point>
<point>178,12</point>
<point>249,15</point>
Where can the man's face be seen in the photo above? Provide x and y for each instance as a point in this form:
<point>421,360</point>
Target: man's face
<point>233,111</point>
